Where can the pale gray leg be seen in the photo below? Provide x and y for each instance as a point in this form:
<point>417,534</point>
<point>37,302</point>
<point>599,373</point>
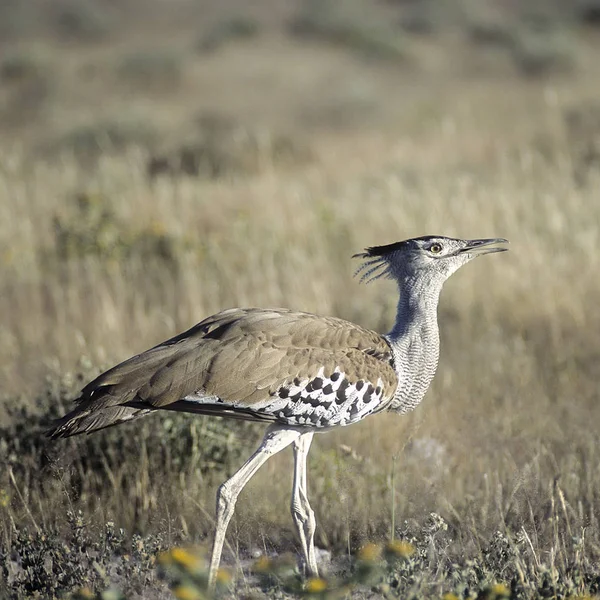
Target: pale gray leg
<point>303,515</point>
<point>276,439</point>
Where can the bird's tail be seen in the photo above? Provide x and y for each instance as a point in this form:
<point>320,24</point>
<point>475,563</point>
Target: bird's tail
<point>110,398</point>
<point>84,420</point>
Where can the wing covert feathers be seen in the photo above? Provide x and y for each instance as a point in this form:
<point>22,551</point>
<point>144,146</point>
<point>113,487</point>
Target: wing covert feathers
<point>233,361</point>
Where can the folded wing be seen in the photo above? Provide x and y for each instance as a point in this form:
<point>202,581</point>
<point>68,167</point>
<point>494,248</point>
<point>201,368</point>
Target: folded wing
<point>267,365</point>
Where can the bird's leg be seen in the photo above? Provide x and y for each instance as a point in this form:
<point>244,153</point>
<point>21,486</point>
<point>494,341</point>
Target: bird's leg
<point>276,439</point>
<point>303,515</point>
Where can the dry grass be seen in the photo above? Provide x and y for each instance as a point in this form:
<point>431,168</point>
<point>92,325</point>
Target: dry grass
<point>504,441</point>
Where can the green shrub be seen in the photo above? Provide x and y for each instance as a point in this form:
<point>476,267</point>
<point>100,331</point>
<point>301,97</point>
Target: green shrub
<point>351,24</point>
<point>489,31</point>
<point>420,17</point>
<point>582,123</point>
<point>152,68</point>
<point>21,64</point>
<point>179,443</point>
<point>229,30</point>
<point>80,20</point>
<point>46,549</point>
<point>588,12</point>
<point>537,44</point>
<point>540,52</point>
<point>16,18</point>
<point>396,569</point>
<point>27,76</point>
<point>47,563</point>
<point>92,229</point>
<point>222,148</point>
<point>89,140</point>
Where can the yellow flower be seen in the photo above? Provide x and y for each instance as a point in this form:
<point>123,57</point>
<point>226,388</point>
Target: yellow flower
<point>4,498</point>
<point>187,592</point>
<point>370,552</point>
<point>85,593</point>
<point>315,585</point>
<point>223,576</point>
<point>400,549</point>
<point>185,558</point>
<point>263,565</point>
<point>450,596</point>
<point>181,557</point>
<point>157,227</point>
<point>500,590</point>
<point>8,256</point>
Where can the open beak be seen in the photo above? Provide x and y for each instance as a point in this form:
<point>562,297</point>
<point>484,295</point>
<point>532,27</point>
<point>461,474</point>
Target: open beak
<point>481,247</point>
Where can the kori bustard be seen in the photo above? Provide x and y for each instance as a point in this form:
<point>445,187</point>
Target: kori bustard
<point>298,372</point>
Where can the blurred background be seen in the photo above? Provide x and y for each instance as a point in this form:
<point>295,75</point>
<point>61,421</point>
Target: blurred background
<point>163,160</point>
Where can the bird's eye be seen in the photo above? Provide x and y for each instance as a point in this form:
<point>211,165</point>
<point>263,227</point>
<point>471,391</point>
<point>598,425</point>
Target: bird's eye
<point>435,248</point>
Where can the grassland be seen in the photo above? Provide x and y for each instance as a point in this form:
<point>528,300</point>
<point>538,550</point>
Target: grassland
<point>343,145</point>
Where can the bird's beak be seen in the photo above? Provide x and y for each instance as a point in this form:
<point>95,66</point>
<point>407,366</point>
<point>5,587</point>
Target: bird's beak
<point>480,247</point>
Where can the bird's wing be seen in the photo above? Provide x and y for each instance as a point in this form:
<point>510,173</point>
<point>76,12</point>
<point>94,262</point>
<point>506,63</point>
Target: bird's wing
<point>247,363</point>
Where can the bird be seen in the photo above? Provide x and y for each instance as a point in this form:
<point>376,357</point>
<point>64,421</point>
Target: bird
<point>297,372</point>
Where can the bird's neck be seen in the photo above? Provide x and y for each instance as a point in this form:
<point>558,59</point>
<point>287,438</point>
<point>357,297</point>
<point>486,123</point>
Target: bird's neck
<point>414,340</point>
<point>417,307</point>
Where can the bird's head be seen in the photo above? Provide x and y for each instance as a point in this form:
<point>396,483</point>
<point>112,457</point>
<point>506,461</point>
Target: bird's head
<point>432,258</point>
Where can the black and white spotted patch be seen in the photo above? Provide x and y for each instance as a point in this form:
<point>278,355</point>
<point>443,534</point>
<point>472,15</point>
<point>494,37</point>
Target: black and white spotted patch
<point>326,400</point>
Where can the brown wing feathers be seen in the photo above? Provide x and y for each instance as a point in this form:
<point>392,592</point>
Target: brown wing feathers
<point>239,356</point>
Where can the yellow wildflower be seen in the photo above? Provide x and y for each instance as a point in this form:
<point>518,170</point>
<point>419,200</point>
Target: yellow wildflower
<point>223,577</point>
<point>157,227</point>
<point>85,593</point>
<point>315,585</point>
<point>370,552</point>
<point>187,592</point>
<point>450,596</point>
<point>8,256</point>
<point>400,548</point>
<point>181,557</point>
<point>185,558</point>
<point>500,590</point>
<point>263,565</point>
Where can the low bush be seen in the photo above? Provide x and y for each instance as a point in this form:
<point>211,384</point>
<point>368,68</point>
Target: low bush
<point>351,24</point>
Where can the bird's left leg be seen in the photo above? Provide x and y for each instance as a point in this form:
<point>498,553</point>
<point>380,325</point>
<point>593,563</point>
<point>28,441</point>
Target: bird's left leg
<point>303,515</point>
<point>276,439</point>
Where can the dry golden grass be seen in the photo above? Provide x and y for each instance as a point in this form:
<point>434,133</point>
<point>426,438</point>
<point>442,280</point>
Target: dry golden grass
<point>505,439</point>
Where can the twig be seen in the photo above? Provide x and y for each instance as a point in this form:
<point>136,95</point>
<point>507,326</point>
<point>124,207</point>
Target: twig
<point>393,482</point>
<point>535,558</point>
<point>14,482</point>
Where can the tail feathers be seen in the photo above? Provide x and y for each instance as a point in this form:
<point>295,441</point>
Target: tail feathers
<point>84,420</point>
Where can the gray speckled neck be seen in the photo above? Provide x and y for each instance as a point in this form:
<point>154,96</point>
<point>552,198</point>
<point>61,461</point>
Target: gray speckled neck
<point>414,340</point>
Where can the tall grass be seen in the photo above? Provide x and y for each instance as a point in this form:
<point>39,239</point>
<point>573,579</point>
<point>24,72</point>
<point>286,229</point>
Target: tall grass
<point>504,444</point>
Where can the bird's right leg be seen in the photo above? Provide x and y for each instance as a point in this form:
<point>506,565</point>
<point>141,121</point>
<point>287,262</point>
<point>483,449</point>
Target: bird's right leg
<point>302,513</point>
<point>275,440</point>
